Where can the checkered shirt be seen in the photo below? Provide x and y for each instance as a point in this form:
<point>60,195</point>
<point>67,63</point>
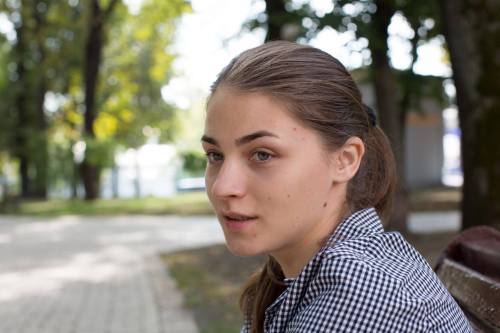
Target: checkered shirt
<point>364,280</point>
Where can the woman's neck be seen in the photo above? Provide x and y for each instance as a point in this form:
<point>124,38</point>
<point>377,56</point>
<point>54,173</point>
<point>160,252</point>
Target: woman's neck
<point>293,259</point>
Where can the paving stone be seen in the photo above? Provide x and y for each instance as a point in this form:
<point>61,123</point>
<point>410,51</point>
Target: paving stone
<point>95,274</point>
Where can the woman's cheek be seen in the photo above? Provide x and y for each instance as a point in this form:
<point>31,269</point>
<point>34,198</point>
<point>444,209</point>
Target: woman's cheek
<point>209,181</point>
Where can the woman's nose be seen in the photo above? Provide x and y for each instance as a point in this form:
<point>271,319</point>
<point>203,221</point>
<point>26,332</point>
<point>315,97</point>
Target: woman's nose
<point>229,181</point>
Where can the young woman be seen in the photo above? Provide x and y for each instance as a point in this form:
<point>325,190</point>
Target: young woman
<point>299,170</point>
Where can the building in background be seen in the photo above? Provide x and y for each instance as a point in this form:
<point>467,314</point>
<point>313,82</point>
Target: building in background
<point>432,144</point>
<point>149,170</point>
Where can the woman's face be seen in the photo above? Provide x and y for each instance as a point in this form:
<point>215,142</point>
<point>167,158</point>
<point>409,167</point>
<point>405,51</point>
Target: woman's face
<point>268,177</point>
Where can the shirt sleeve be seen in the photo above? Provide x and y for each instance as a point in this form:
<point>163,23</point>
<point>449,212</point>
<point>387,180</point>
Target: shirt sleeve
<point>360,298</point>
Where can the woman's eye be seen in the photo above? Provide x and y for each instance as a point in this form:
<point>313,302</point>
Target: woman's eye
<point>214,157</point>
<point>261,156</point>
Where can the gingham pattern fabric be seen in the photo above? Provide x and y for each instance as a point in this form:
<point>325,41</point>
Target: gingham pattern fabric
<point>365,280</point>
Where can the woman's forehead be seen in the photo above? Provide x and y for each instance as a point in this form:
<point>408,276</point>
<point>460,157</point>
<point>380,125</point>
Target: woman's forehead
<point>247,113</point>
<point>227,104</point>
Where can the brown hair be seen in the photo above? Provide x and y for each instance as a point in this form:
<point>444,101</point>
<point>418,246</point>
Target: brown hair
<point>319,92</point>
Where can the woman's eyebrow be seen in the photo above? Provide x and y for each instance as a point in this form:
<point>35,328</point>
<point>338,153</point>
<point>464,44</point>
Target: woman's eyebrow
<point>252,136</point>
<point>243,140</point>
<point>207,139</point>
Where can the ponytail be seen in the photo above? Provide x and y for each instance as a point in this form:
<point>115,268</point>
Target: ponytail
<point>259,293</point>
<point>374,183</point>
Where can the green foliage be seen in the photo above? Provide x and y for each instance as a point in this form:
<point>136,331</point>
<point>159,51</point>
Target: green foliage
<point>36,65</point>
<point>61,167</point>
<point>100,152</point>
<point>194,162</point>
<point>5,111</point>
<point>134,67</point>
<point>419,87</point>
<point>360,17</point>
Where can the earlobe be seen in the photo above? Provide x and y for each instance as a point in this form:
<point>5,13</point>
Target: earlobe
<point>347,159</point>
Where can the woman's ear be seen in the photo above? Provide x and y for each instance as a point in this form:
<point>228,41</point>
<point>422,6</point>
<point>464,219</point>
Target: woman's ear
<point>347,159</point>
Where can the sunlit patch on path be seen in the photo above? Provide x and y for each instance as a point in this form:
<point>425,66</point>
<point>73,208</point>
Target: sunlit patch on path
<point>95,274</point>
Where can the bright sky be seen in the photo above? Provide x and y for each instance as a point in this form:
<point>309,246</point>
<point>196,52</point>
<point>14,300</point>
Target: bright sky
<point>206,41</point>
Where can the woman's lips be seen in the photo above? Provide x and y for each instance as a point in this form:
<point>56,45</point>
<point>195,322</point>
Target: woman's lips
<point>238,222</point>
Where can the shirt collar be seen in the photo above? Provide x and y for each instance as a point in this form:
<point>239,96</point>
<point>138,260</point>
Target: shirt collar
<point>362,223</point>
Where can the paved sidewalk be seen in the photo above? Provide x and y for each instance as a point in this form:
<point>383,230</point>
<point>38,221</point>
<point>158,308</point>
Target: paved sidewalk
<point>95,274</point>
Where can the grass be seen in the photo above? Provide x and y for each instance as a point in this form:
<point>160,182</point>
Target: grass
<point>195,203</point>
<point>211,279</point>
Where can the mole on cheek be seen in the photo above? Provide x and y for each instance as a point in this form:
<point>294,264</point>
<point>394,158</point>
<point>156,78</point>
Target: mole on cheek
<point>295,128</point>
<point>324,205</point>
<point>288,195</point>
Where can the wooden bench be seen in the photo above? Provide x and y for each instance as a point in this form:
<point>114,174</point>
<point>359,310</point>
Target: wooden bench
<point>470,268</point>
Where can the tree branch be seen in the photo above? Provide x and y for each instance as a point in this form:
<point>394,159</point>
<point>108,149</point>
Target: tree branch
<point>107,12</point>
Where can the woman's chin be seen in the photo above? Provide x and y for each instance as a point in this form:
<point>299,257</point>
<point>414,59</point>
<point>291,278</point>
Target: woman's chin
<point>242,251</point>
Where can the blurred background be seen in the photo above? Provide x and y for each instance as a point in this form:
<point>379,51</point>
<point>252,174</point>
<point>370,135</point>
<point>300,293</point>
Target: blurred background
<point>102,101</point>
<point>105,99</point>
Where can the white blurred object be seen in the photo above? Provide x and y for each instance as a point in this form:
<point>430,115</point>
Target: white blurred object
<point>432,222</point>
<point>452,170</point>
<point>191,184</point>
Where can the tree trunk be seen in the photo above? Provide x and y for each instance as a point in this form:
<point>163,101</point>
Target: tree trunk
<point>23,172</point>
<point>22,121</point>
<point>74,180</point>
<point>93,54</point>
<point>390,115</point>
<point>40,156</point>
<point>274,8</point>
<point>472,33</point>
<point>280,26</point>
<point>90,179</point>
<point>30,87</point>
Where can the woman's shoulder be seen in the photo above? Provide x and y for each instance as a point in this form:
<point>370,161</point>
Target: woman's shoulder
<point>385,274</point>
<point>385,253</point>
